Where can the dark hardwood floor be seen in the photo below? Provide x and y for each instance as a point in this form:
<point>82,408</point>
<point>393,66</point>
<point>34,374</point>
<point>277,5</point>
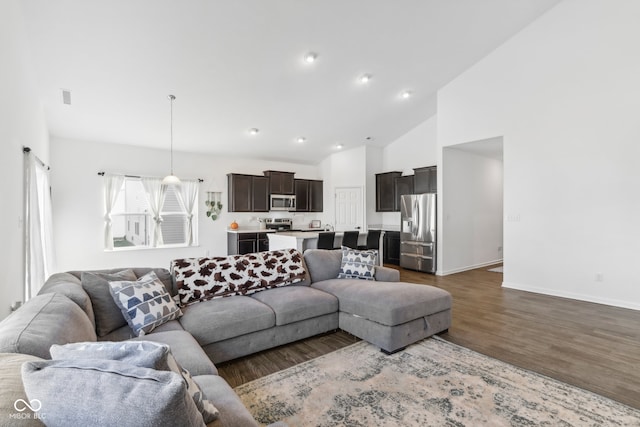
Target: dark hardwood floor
<point>592,346</point>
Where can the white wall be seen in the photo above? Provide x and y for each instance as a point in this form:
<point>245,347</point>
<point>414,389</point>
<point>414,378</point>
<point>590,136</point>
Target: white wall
<point>375,159</point>
<point>78,206</point>
<point>415,149</point>
<point>21,124</point>
<point>565,95</point>
<point>346,168</point>
<point>472,213</point>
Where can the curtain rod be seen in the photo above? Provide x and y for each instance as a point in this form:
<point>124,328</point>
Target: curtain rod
<point>138,176</point>
<point>26,149</point>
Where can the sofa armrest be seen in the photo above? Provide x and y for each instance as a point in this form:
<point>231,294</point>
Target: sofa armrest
<point>386,274</point>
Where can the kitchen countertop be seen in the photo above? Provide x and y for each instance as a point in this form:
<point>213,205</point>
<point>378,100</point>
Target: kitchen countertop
<point>250,230</point>
<point>263,230</point>
<point>384,227</point>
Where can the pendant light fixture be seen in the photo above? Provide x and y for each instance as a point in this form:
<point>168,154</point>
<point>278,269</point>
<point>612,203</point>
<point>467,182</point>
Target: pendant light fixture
<point>171,179</point>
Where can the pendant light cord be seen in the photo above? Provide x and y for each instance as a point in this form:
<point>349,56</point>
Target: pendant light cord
<point>171,98</point>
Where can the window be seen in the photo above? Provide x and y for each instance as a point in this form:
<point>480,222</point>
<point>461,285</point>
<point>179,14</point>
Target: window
<point>132,221</point>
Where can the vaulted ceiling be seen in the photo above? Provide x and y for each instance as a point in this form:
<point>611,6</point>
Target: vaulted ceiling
<point>236,65</point>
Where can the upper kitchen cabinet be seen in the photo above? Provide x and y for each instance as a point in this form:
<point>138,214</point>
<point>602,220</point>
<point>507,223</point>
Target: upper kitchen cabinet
<point>280,182</point>
<point>316,196</point>
<point>403,185</point>
<point>309,194</point>
<point>386,191</point>
<point>426,180</point>
<point>248,193</point>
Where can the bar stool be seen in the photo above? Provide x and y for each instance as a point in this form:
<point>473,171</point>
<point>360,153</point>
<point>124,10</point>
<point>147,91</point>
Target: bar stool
<point>350,239</point>
<point>326,239</point>
<point>373,240</point>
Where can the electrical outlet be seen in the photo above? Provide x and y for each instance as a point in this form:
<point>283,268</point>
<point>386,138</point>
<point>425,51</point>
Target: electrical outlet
<point>499,248</point>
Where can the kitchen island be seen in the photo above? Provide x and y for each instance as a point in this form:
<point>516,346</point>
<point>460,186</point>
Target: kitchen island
<point>303,240</point>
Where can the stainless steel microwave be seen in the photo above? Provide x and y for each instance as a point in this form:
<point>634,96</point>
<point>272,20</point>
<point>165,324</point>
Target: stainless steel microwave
<point>283,202</point>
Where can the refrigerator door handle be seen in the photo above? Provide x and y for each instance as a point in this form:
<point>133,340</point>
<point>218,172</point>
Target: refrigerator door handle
<point>414,214</point>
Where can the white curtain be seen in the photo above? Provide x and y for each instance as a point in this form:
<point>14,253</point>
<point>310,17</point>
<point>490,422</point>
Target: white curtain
<point>188,197</point>
<point>156,193</point>
<point>112,186</point>
<point>39,251</point>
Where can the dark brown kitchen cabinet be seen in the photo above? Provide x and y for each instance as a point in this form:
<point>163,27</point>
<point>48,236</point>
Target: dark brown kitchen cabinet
<point>403,185</point>
<point>386,191</point>
<point>316,196</point>
<point>391,247</point>
<point>309,195</point>
<point>260,194</point>
<point>280,182</point>
<point>426,180</point>
<point>246,243</point>
<point>247,193</point>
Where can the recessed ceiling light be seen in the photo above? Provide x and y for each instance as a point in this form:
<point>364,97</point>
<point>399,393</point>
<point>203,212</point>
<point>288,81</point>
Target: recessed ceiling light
<point>301,139</point>
<point>254,131</point>
<point>406,94</point>
<point>365,78</point>
<point>339,146</point>
<point>310,57</point>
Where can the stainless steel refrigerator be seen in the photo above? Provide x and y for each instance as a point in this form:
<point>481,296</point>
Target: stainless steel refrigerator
<point>418,232</point>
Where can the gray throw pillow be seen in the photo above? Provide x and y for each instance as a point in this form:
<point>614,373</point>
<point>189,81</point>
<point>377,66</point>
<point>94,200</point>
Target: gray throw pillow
<point>145,354</point>
<point>358,264</point>
<point>107,314</point>
<point>144,303</point>
<point>108,393</point>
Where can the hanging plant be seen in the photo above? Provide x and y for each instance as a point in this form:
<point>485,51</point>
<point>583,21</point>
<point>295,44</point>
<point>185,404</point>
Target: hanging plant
<point>214,205</point>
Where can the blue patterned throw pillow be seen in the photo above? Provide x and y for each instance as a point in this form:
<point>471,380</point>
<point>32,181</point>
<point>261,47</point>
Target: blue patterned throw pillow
<point>358,264</point>
<point>145,303</point>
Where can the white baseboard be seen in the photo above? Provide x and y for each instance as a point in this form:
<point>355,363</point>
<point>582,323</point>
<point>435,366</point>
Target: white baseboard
<point>571,295</point>
<point>467,268</point>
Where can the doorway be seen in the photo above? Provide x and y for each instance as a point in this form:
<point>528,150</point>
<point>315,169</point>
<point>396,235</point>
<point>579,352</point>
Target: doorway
<point>348,209</point>
<point>471,219</point>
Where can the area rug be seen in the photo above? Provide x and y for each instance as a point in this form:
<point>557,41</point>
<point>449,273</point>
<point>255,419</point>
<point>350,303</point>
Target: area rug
<point>431,383</point>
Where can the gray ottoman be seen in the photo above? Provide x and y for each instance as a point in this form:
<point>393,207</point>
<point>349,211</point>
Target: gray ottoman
<point>390,315</point>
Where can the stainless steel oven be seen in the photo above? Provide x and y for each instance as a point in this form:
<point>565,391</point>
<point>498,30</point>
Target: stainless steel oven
<point>283,202</point>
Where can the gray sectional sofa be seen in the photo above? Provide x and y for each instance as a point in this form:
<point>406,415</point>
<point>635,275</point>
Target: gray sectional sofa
<point>388,313</point>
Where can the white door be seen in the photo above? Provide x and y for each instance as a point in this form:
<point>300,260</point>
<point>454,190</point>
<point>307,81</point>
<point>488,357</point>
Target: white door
<point>349,210</point>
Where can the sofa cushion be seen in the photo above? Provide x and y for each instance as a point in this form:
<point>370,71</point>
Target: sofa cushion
<point>108,316</point>
<point>358,264</point>
<point>145,303</point>
<point>388,303</point>
<point>200,279</point>
<point>108,393</point>
<point>70,286</point>
<point>12,392</point>
<point>222,318</point>
<point>186,350</point>
<point>42,321</point>
<point>145,354</point>
<point>323,264</point>
<point>233,413</point>
<point>126,333</point>
<point>295,303</point>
